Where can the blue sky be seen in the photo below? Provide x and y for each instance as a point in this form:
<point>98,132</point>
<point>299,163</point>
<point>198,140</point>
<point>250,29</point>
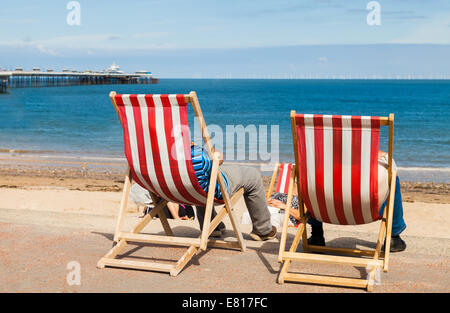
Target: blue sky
<point>233,38</point>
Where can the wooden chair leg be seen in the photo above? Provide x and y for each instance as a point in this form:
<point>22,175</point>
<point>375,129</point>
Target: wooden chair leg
<point>112,253</point>
<point>162,216</point>
<point>390,213</point>
<point>219,217</point>
<point>304,215</point>
<point>287,214</point>
<point>377,252</point>
<point>209,203</point>
<point>123,203</point>
<point>236,228</point>
<point>187,256</point>
<point>283,271</point>
<point>214,223</point>
<point>301,229</point>
<point>165,222</point>
<point>304,234</point>
<point>371,279</point>
<point>381,234</point>
<point>272,180</point>
<point>121,244</point>
<point>283,235</point>
<point>229,204</point>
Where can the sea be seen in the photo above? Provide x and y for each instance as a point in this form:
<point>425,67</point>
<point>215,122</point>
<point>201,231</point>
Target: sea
<point>80,121</point>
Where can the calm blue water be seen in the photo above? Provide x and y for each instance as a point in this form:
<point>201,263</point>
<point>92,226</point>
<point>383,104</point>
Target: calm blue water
<point>81,119</point>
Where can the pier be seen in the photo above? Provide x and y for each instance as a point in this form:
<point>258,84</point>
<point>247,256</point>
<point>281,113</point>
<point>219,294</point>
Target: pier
<point>37,78</point>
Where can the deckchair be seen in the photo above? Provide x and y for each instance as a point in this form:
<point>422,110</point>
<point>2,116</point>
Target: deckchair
<point>285,173</point>
<point>337,175</point>
<point>281,176</point>
<point>158,151</point>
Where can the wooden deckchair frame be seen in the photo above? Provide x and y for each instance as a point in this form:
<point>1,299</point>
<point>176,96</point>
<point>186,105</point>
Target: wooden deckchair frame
<point>354,257</point>
<point>121,239</point>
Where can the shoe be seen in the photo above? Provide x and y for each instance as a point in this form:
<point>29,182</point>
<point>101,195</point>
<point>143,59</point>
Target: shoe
<point>316,241</point>
<point>268,236</point>
<point>216,234</point>
<point>397,244</point>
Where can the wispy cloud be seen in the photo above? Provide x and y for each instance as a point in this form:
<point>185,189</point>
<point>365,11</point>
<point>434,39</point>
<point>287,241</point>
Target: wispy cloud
<point>114,37</point>
<point>30,44</point>
<point>433,31</point>
<point>149,35</point>
<point>46,50</point>
<point>19,20</point>
<point>88,43</point>
<point>392,14</point>
<point>273,11</point>
<point>290,9</point>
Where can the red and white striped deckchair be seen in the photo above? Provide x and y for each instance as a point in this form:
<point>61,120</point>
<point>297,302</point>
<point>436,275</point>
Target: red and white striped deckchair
<point>282,175</point>
<point>337,175</point>
<point>158,151</point>
<point>284,171</point>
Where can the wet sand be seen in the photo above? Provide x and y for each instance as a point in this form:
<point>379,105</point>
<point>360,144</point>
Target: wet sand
<point>85,177</point>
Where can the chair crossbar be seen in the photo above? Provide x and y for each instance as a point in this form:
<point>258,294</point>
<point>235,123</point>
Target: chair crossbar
<point>149,266</point>
<point>344,251</point>
<point>330,259</point>
<point>176,241</point>
<point>326,280</point>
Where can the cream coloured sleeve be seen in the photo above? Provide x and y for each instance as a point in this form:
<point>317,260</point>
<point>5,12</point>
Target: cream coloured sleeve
<point>383,185</point>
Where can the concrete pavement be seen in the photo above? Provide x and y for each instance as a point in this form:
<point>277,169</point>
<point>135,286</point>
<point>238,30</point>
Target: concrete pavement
<point>33,258</point>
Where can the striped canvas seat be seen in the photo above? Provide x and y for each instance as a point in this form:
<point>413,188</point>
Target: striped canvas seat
<point>157,146</point>
<point>338,167</point>
<point>284,175</point>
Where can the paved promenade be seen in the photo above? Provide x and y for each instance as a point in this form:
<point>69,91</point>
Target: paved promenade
<point>36,245</point>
